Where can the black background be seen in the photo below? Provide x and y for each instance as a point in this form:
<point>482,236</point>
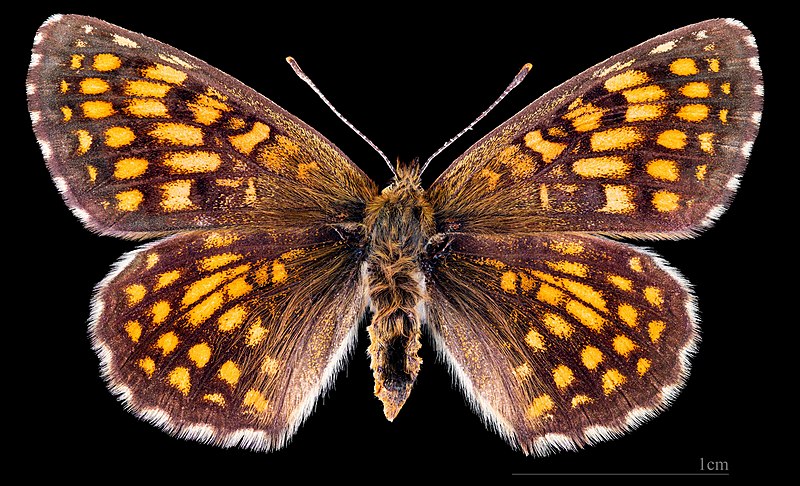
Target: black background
<point>409,76</point>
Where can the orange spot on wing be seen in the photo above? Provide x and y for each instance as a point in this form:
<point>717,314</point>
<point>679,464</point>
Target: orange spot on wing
<point>548,150</point>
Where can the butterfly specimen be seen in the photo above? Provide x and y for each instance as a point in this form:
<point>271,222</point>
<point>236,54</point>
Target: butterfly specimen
<point>271,248</point>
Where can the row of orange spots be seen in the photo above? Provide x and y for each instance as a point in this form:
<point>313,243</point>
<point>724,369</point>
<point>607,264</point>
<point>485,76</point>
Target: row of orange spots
<point>551,295</point>
<point>199,354</point>
<point>619,198</point>
<point>204,286</point>
<point>176,195</point>
<point>180,378</point>
<point>101,62</point>
<point>542,405</point>
<point>591,357</point>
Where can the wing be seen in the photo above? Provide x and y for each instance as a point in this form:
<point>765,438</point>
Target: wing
<point>143,139</point>
<point>228,337</point>
<point>650,143</point>
<point>560,340</point>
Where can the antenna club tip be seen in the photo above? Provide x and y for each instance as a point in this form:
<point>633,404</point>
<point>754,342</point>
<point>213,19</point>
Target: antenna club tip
<point>522,73</point>
<point>290,59</point>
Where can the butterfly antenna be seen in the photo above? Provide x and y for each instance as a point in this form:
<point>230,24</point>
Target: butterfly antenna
<point>517,79</point>
<point>313,86</point>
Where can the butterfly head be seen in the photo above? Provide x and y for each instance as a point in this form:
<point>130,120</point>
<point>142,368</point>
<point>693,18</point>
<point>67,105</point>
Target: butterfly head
<point>407,177</point>
<point>402,202</point>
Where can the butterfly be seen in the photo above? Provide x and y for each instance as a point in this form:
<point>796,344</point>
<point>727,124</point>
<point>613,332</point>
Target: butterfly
<point>270,249</point>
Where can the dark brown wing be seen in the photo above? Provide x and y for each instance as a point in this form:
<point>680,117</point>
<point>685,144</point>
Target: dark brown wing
<point>560,340</point>
<point>229,336</point>
<point>143,139</point>
<point>650,143</point>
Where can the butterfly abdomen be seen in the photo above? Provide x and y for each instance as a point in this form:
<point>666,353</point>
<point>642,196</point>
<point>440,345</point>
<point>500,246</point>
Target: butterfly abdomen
<point>399,222</point>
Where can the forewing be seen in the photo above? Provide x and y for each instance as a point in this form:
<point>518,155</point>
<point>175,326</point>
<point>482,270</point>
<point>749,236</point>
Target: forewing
<point>560,340</point>
<point>144,139</point>
<point>650,143</point>
<point>227,336</point>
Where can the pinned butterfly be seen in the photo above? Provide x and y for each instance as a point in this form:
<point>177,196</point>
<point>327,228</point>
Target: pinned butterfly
<point>271,247</point>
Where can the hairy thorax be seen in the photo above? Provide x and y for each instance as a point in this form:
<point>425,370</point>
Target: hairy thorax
<point>399,223</point>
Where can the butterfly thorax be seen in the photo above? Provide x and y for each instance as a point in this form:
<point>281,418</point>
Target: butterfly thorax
<point>399,222</point>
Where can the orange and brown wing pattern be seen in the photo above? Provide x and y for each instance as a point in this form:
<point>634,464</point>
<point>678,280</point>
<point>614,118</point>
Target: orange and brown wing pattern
<point>650,143</point>
<point>143,139</point>
<point>229,336</point>
<point>560,340</point>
